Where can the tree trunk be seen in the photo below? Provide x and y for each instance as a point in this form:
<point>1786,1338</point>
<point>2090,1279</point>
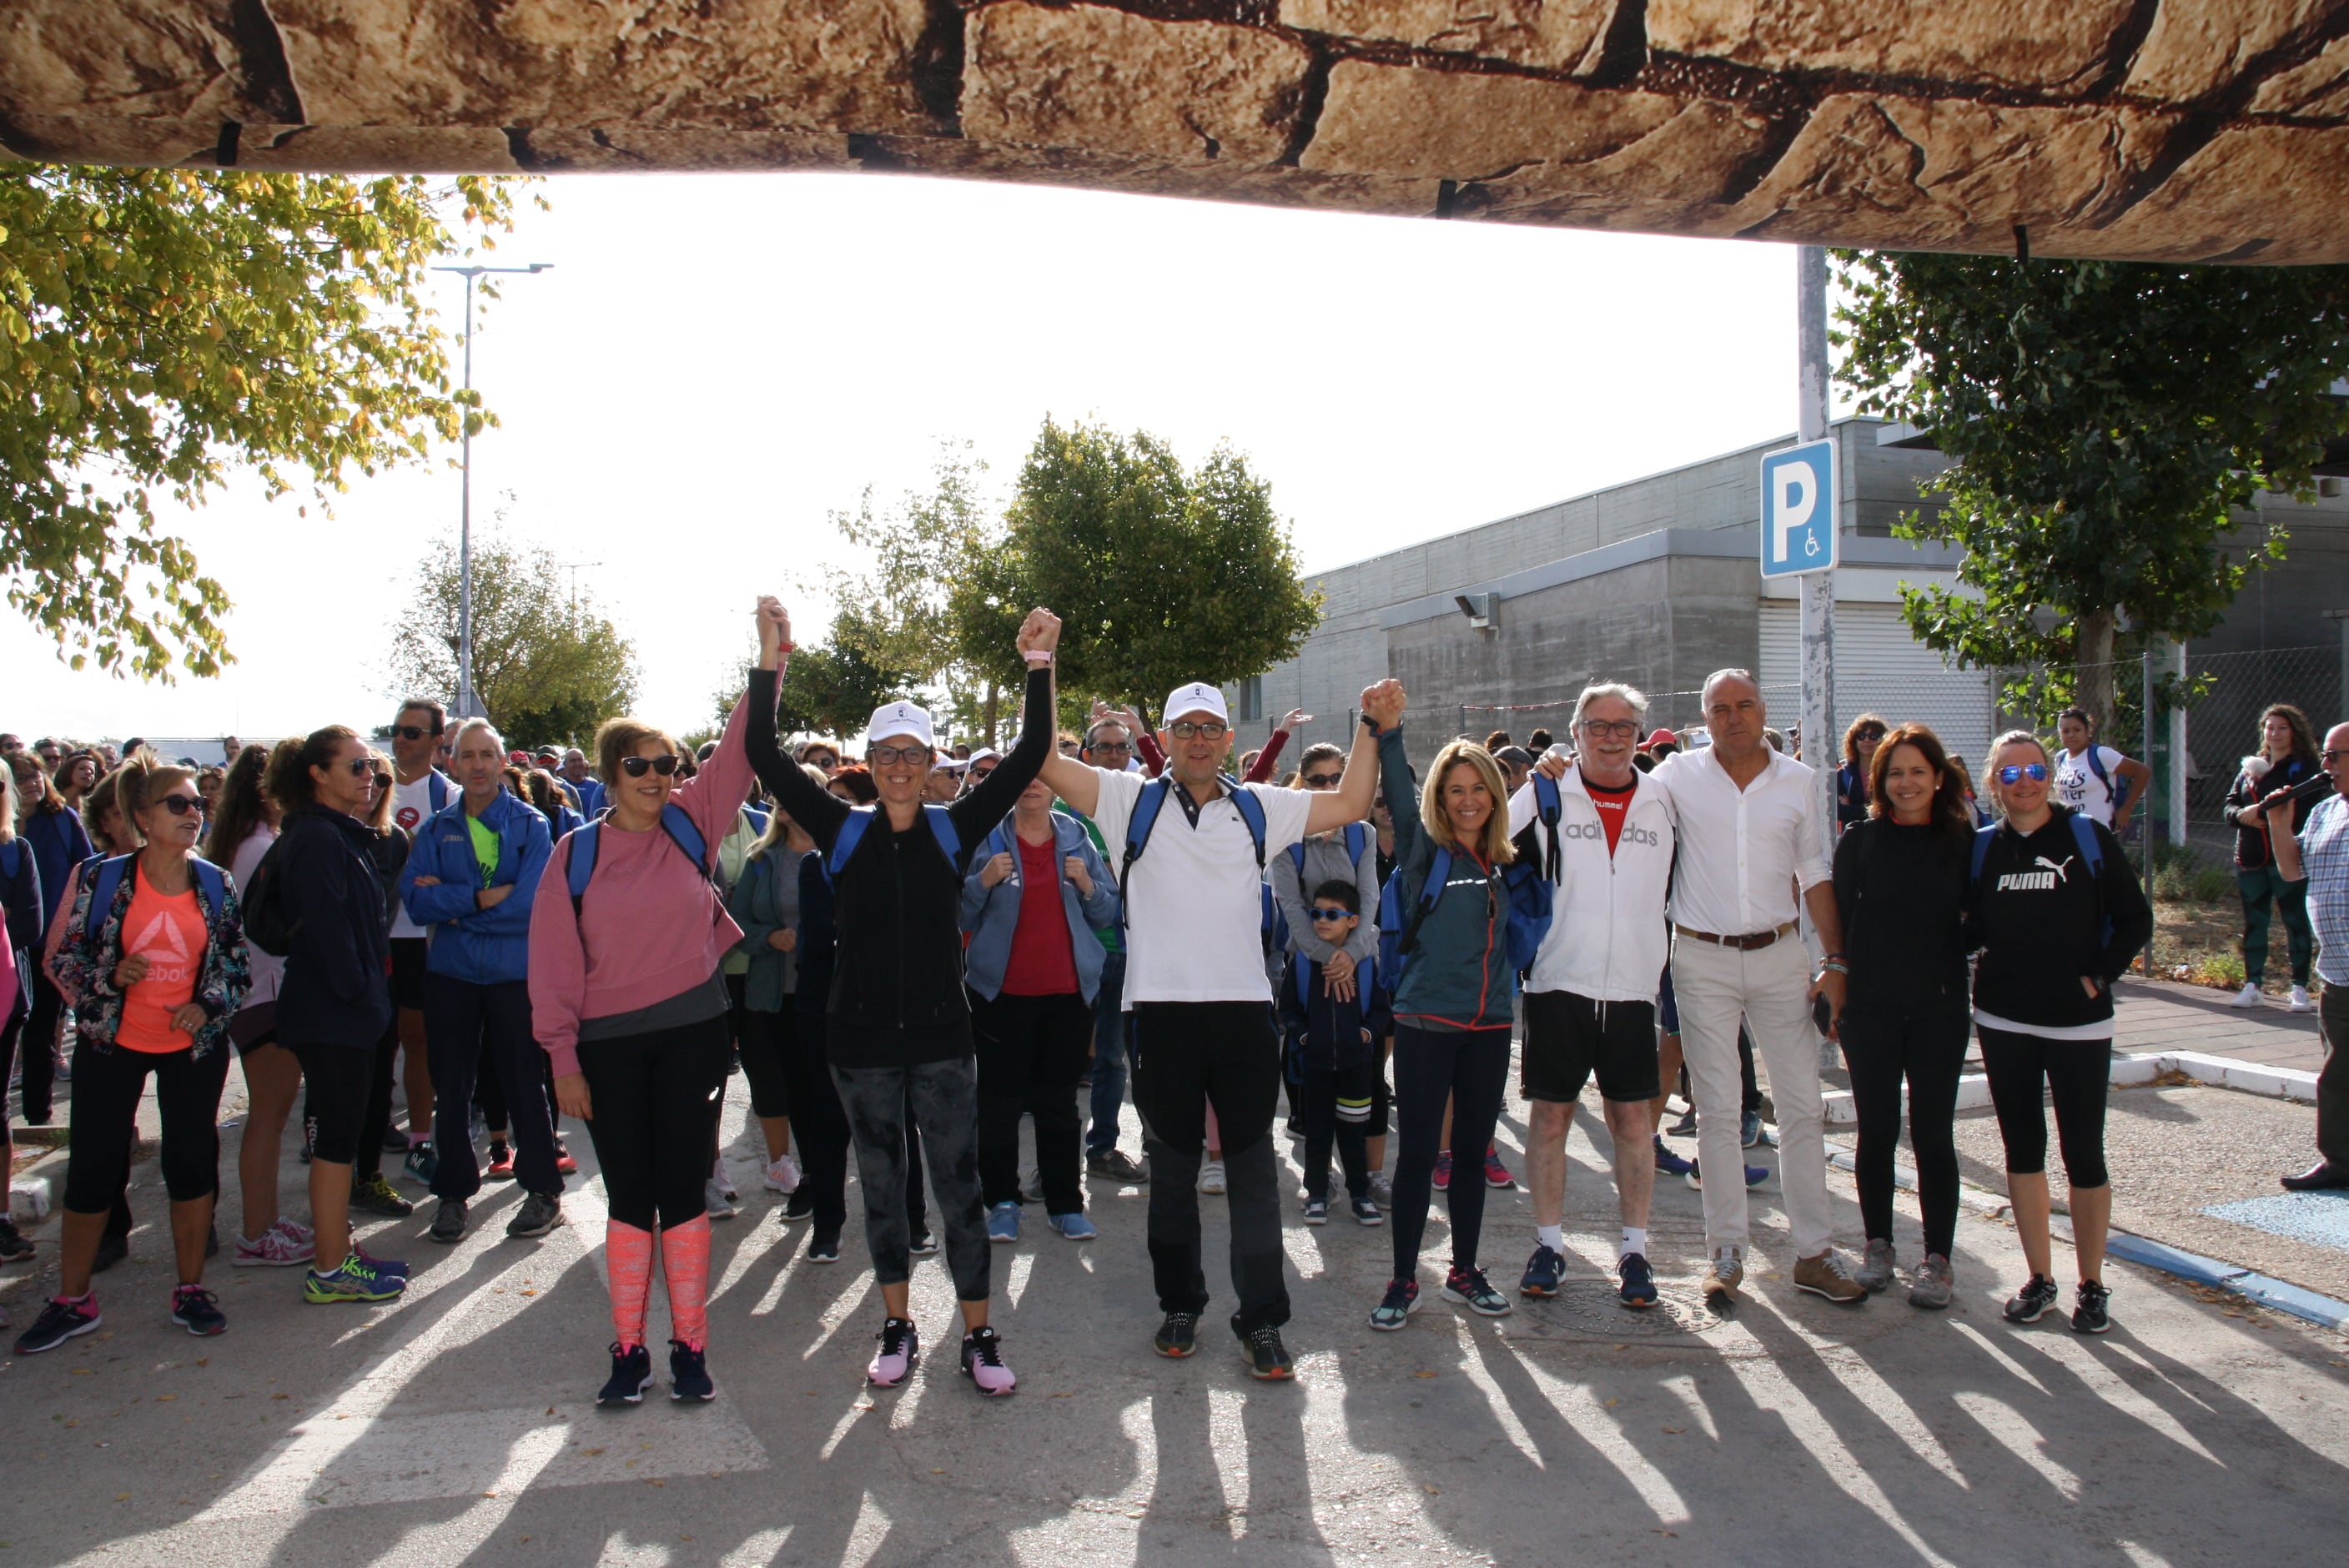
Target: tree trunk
<point>2091,683</point>
<point>994,702</point>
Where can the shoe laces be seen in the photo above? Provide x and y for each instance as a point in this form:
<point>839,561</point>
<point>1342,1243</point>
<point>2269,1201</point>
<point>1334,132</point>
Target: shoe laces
<point>1265,1338</point>
<point>893,1334</point>
<point>187,1292</point>
<point>982,1343</point>
<point>1471,1282</point>
<point>1836,1264</point>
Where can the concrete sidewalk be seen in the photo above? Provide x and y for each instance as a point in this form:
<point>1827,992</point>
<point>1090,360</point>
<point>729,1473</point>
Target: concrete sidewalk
<point>457,1425</point>
<point>2166,1016</point>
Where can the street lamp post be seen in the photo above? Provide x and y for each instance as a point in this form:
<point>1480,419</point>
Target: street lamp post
<point>467,706</point>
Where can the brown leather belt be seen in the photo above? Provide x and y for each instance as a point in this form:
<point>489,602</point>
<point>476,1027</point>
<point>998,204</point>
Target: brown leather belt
<point>1745,943</point>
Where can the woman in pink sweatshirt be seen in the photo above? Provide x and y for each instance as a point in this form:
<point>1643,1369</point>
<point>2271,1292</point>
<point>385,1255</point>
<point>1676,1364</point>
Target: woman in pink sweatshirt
<point>626,996</point>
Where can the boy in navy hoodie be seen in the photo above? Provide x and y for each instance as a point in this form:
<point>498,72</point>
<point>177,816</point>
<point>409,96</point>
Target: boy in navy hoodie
<point>1333,1057</point>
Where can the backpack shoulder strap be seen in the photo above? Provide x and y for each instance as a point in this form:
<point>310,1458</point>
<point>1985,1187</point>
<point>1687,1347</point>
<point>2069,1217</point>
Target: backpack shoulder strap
<point>942,828</point>
<point>1146,806</point>
<point>851,833</point>
<point>101,898</point>
<point>685,834</point>
<point>11,859</point>
<point>1439,874</point>
<point>1549,806</point>
<point>211,883</point>
<point>1982,839</point>
<point>1358,839</point>
<point>2092,850</point>
<point>1251,810</point>
<point>1297,853</point>
<point>582,864</point>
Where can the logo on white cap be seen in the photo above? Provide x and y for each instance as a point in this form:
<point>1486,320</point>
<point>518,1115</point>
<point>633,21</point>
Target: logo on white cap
<point>895,719</point>
<point>1196,698</point>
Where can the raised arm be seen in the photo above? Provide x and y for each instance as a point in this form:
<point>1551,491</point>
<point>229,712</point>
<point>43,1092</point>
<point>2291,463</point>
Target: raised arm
<point>1350,802</point>
<point>1268,759</point>
<point>816,808</point>
<point>991,800</point>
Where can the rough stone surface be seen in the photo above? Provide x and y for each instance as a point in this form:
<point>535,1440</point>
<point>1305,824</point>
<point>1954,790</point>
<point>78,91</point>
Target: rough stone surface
<point>2191,129</point>
<point>2010,43</point>
<point>748,64</point>
<point>1089,77</point>
<point>2198,46</point>
<point>1564,35</point>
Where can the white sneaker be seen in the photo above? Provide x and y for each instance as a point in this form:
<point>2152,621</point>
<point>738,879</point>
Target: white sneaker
<point>2300,1001</point>
<point>714,1199</point>
<point>721,1181</point>
<point>782,1174</point>
<point>1211,1178</point>
<point>2249,996</point>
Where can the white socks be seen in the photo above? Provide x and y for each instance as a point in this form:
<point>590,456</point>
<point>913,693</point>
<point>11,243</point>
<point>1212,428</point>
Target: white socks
<point>1635,1239</point>
<point>1551,1236</point>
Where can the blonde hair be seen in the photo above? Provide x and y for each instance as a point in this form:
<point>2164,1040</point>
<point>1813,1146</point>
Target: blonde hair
<point>142,781</point>
<point>779,824</point>
<point>1495,849</point>
<point>1991,762</point>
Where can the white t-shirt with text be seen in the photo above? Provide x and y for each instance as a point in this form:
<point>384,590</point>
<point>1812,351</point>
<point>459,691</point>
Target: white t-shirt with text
<point>2077,786</point>
<point>410,804</point>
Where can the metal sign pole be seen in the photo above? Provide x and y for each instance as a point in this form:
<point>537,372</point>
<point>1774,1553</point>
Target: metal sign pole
<point>1817,588</point>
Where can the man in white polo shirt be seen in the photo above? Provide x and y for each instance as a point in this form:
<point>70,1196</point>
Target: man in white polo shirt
<point>1191,850</point>
<point>1748,837</point>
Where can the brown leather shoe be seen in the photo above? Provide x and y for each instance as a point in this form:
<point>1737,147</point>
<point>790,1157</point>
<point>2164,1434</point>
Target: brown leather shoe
<point>1723,1274</point>
<point>2320,1177</point>
<point>1828,1276</point>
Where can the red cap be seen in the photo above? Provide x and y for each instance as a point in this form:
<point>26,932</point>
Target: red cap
<point>1662,738</point>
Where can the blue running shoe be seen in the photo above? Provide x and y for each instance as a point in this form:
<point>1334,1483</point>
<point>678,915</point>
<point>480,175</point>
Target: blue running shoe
<point>1670,1164</point>
<point>354,1279</point>
<point>632,1373</point>
<point>1076,1227</point>
<point>1638,1290</point>
<point>1754,1175</point>
<point>1003,1222</point>
<point>1543,1271</point>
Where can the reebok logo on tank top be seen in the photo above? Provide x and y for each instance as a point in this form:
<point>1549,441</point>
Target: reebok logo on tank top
<point>166,952</point>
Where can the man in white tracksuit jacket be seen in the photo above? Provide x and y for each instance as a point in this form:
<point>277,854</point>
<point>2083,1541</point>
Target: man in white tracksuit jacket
<point>1591,997</point>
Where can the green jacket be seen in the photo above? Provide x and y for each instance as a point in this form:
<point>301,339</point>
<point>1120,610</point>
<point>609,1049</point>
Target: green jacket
<point>1457,974</point>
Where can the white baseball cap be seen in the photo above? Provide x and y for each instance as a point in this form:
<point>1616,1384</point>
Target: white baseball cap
<point>1198,697</point>
<point>899,719</point>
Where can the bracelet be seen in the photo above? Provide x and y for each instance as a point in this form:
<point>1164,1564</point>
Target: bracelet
<point>1037,657</point>
<point>787,647</point>
<point>1834,966</point>
<point>1833,958</point>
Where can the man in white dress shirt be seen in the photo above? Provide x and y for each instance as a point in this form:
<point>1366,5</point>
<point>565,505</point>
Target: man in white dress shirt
<point>1749,838</point>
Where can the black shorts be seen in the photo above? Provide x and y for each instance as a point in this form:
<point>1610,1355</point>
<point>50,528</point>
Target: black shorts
<point>1568,1037</point>
<point>408,955</point>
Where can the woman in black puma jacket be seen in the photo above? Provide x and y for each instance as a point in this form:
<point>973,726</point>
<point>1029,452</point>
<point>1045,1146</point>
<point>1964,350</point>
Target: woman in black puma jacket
<point>2055,932</point>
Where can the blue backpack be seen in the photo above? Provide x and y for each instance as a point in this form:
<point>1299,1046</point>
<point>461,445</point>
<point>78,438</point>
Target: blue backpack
<point>1145,817</point>
<point>676,821</point>
<point>1530,896</point>
<point>1357,838</point>
<point>2084,833</point>
<point>860,818</point>
<point>210,882</point>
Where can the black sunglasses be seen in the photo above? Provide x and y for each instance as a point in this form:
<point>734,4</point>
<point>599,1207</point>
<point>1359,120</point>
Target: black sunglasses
<point>181,805</point>
<point>361,766</point>
<point>411,732</point>
<point>635,766</point>
<point>1322,781</point>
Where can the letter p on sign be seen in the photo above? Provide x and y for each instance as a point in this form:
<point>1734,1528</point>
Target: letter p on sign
<point>1798,510</point>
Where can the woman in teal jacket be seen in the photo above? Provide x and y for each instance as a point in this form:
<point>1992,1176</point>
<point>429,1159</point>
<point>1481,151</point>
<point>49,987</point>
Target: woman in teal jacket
<point>1453,1004</point>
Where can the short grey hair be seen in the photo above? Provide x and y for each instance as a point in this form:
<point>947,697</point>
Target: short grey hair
<point>458,740</point>
<point>1630,696</point>
<point>1731,673</point>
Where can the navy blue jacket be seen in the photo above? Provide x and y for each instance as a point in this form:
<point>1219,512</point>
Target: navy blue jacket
<point>59,843</point>
<point>337,985</point>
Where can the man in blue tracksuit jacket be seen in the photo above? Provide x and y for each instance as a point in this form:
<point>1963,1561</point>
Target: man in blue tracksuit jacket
<point>471,882</point>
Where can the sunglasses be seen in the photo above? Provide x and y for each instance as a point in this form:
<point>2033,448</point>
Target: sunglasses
<point>2035,771</point>
<point>1183,729</point>
<point>411,731</point>
<point>2331,756</point>
<point>1870,735</point>
<point>360,766</point>
<point>1321,915</point>
<point>1321,780</point>
<point>821,759</point>
<point>889,756</point>
<point>181,805</point>
<point>637,767</point>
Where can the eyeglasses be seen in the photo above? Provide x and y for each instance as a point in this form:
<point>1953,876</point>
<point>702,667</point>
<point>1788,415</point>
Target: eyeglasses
<point>2035,771</point>
<point>1612,728</point>
<point>412,731</point>
<point>360,766</point>
<point>1111,749</point>
<point>821,759</point>
<point>1183,729</point>
<point>637,767</point>
<point>181,805</point>
<point>1322,916</point>
<point>1067,749</point>
<point>888,756</point>
<point>2330,755</point>
<point>981,769</point>
<point>1870,733</point>
<point>1321,780</point>
<point>49,757</point>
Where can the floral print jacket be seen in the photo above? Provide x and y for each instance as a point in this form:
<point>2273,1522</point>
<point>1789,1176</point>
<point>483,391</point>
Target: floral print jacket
<point>82,965</point>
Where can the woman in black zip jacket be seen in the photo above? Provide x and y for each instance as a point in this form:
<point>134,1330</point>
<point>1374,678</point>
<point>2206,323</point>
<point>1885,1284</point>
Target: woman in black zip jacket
<point>2054,934</point>
<point>333,1003</point>
<point>896,1019</point>
<point>2286,757</point>
<point>1900,885</point>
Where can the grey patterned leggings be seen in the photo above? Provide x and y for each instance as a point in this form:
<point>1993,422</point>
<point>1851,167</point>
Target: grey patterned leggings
<point>944,1098</point>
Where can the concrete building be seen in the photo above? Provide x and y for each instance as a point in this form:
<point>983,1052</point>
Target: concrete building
<point>1656,581</point>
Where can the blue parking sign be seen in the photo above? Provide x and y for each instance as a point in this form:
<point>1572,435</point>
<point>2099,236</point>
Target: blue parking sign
<point>1798,510</point>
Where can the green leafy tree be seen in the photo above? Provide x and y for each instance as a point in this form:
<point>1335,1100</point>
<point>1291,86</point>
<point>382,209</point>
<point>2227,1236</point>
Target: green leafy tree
<point>159,328</point>
<point>547,668</point>
<point>2108,425</point>
<point>1160,575</point>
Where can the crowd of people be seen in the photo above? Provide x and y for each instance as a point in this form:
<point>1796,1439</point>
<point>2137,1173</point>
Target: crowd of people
<point>909,955</point>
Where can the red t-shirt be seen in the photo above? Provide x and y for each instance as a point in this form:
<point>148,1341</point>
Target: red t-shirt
<point>1043,961</point>
<point>170,933</point>
<point>1613,806</point>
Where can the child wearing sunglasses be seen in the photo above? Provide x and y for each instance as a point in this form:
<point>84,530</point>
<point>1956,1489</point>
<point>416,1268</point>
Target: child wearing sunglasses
<point>1331,1025</point>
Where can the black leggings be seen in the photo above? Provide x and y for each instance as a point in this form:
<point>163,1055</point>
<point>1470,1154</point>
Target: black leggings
<point>1032,1050</point>
<point>763,1040</point>
<point>1336,1108</point>
<point>107,1087</point>
<point>651,1095</point>
<point>40,1046</point>
<point>1471,1067</point>
<point>2077,1075</point>
<point>375,1111</point>
<point>338,1085</point>
<point>818,1123</point>
<point>1924,1041</point>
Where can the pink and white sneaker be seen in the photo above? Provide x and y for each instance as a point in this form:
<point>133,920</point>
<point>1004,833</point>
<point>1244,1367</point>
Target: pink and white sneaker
<point>278,1247</point>
<point>782,1175</point>
<point>982,1363</point>
<point>893,1362</point>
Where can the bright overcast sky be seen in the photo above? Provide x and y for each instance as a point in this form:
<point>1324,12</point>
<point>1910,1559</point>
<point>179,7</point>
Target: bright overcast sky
<point>715,362</point>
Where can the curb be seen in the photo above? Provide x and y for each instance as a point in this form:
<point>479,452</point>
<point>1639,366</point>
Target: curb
<point>2306,1305</point>
<point>2128,1072</point>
